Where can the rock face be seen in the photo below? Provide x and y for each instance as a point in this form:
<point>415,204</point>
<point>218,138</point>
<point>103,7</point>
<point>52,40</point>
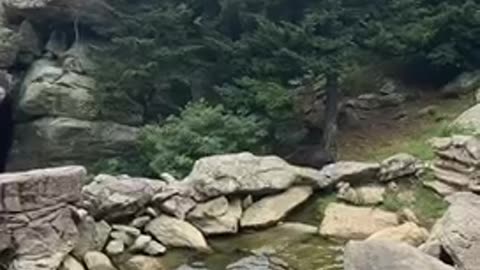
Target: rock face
<point>218,216</point>
<point>221,175</point>
<point>57,141</point>
<point>382,255</point>
<point>457,164</point>
<point>457,234</point>
<point>271,210</point>
<point>112,197</point>
<point>469,120</point>
<point>398,166</point>
<point>173,232</point>
<point>35,213</point>
<point>348,222</point>
<point>259,262</point>
<point>408,233</point>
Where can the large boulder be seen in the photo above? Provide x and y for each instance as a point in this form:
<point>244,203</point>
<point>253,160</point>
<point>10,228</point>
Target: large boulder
<point>221,175</point>
<point>382,255</point>
<point>349,171</point>
<point>58,141</point>
<point>218,216</point>
<point>111,197</point>
<point>174,232</point>
<point>349,222</point>
<point>456,234</point>
<point>464,83</point>
<point>409,233</point>
<point>469,120</point>
<point>35,212</point>
<point>270,210</point>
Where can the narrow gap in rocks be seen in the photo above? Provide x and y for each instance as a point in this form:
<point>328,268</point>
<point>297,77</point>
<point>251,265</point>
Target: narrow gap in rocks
<point>445,257</point>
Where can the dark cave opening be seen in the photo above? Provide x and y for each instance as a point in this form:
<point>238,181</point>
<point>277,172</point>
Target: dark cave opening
<point>445,257</point>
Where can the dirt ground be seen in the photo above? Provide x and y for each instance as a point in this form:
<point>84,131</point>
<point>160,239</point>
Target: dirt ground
<point>385,133</point>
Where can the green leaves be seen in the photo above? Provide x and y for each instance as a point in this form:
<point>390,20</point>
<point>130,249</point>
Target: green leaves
<point>200,130</point>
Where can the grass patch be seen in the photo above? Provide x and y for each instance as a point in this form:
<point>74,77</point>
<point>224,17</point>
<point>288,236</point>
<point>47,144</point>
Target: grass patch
<point>426,204</point>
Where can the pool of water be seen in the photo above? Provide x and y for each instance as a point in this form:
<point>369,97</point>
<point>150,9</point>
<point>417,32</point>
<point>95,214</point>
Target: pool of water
<point>299,245</point>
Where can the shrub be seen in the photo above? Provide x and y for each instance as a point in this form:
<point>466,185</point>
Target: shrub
<point>200,130</point>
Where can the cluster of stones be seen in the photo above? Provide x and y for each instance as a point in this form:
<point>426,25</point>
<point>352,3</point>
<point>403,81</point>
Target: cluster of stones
<point>128,222</point>
<point>457,164</point>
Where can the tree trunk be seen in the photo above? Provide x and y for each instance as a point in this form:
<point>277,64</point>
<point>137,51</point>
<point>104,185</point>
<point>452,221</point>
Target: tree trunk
<point>331,113</point>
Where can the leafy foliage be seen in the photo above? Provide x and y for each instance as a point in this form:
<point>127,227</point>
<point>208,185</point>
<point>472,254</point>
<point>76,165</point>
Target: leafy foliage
<point>244,54</point>
<point>200,130</point>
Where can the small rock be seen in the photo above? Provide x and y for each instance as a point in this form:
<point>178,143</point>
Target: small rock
<point>154,248</point>
<point>140,222</point>
<point>259,262</point>
<point>139,262</point>
<point>408,233</point>
<point>270,210</point>
<point>140,243</point>
<point>217,216</point>
<point>176,233</point>
<point>115,247</point>
<point>152,212</point>
<point>70,263</point>
<point>126,239</point>
<point>177,206</point>
<point>95,260</point>
<point>366,195</point>
<point>132,231</point>
<point>431,110</point>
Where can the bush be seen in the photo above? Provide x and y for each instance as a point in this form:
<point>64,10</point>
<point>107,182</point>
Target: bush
<point>200,130</point>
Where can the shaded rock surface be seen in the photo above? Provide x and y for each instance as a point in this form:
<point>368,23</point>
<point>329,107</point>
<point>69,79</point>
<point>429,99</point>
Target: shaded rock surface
<point>270,210</point>
<point>349,222</point>
<point>93,237</point>
<point>55,141</point>
<point>382,255</point>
